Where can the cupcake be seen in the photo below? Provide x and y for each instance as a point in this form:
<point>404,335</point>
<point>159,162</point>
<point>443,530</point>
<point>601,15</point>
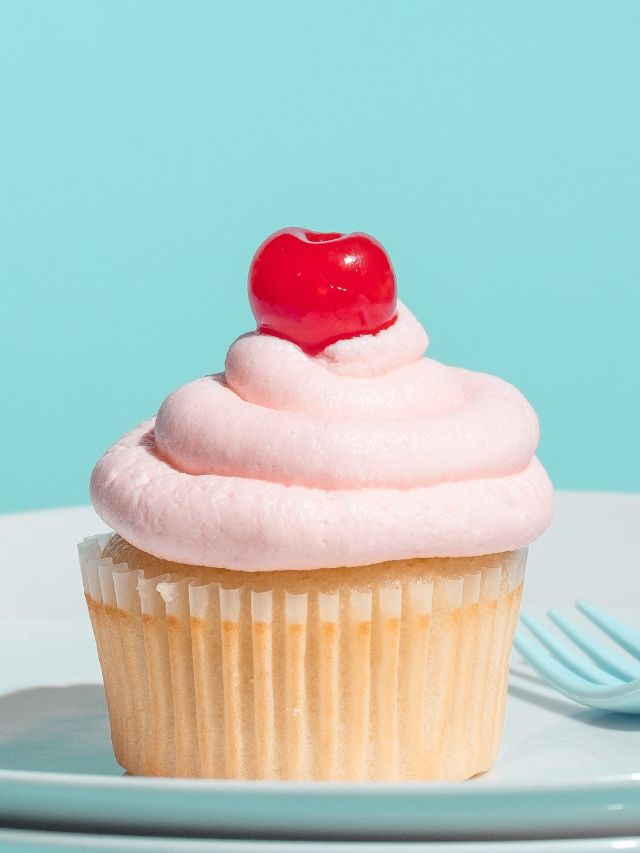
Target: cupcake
<point>318,554</point>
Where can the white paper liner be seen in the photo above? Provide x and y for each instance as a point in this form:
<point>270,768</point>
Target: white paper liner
<point>402,681</point>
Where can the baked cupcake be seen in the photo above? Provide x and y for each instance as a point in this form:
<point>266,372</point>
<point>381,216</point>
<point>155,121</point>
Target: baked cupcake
<point>318,554</point>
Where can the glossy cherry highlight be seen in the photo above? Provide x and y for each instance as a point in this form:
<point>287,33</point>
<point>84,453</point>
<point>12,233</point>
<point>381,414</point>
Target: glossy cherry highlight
<point>314,288</point>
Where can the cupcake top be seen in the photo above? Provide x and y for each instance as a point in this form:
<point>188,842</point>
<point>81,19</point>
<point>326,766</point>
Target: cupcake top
<point>330,439</point>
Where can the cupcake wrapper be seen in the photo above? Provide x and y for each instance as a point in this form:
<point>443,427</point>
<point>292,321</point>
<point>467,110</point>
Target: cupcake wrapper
<point>403,681</point>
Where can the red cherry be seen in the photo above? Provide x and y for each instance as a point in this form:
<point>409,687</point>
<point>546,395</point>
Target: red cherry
<point>314,289</point>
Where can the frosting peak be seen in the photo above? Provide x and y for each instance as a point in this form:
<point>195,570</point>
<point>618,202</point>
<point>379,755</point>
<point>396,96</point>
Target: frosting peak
<point>380,376</point>
<point>404,342</point>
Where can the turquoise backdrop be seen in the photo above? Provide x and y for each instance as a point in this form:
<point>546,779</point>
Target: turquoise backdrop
<point>146,148</point>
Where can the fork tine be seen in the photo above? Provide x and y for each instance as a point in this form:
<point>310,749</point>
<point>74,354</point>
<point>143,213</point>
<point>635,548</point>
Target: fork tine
<point>619,697</point>
<point>565,655</point>
<point>627,637</point>
<point>549,668</point>
<point>611,662</point>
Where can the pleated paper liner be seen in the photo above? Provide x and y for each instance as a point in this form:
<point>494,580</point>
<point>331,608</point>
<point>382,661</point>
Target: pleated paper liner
<point>396,671</point>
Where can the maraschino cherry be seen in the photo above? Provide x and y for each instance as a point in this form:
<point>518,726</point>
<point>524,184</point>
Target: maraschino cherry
<point>315,289</point>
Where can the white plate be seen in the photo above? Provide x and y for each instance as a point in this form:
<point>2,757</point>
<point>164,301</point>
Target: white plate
<point>563,770</point>
<point>28,841</point>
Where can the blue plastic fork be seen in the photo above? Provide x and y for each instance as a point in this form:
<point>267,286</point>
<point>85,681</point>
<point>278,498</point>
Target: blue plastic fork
<point>611,682</point>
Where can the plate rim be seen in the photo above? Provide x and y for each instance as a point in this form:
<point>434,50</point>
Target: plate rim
<point>451,812</point>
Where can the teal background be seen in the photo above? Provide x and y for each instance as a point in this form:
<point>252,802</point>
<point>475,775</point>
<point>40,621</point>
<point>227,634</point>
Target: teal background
<point>147,148</point>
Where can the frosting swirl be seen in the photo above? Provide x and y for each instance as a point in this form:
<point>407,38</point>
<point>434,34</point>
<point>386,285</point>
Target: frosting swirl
<point>365,453</point>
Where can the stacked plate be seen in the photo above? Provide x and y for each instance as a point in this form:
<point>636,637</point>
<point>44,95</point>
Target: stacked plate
<point>568,779</point>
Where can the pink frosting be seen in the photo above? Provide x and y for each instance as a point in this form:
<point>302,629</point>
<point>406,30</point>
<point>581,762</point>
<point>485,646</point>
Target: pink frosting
<point>365,453</point>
